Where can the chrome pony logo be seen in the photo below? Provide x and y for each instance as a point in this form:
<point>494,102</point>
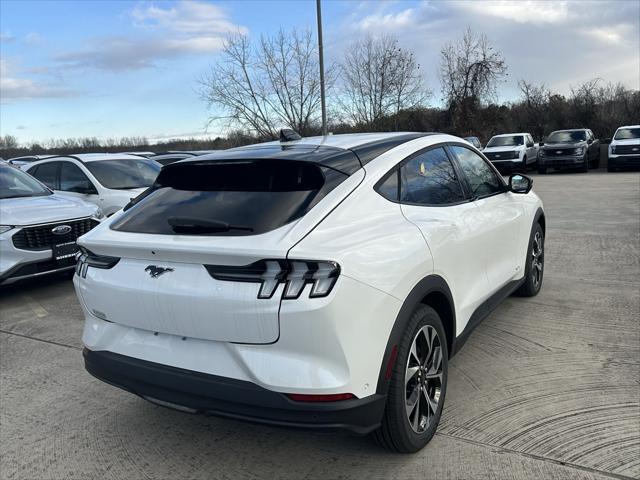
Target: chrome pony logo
<point>155,272</point>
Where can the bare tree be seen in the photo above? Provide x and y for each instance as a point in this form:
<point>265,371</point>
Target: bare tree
<point>535,111</point>
<point>469,72</point>
<point>264,87</point>
<point>8,141</point>
<point>379,79</point>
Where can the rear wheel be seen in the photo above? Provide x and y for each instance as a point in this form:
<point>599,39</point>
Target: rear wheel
<point>534,266</point>
<point>417,386</point>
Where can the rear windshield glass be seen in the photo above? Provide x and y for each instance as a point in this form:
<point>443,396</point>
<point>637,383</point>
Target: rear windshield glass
<point>124,174</point>
<point>627,133</point>
<point>567,136</point>
<point>228,198</point>
<point>510,141</point>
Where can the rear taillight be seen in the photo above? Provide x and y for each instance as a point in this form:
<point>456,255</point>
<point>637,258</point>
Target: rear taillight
<point>295,274</point>
<point>88,259</point>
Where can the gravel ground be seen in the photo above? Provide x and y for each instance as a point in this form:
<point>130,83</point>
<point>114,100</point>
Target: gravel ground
<point>547,387</point>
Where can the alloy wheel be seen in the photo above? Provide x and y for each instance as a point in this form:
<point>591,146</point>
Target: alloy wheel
<point>537,259</point>
<point>423,379</point>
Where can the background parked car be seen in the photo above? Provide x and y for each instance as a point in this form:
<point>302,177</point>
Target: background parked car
<point>110,180</point>
<point>475,141</point>
<point>624,149</point>
<point>171,157</point>
<point>39,228</point>
<point>22,161</point>
<point>575,148</point>
<point>512,151</point>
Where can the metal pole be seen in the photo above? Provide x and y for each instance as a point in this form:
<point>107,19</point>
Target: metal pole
<point>320,54</point>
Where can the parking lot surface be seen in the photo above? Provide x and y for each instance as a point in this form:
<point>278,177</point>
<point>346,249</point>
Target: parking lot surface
<point>546,387</point>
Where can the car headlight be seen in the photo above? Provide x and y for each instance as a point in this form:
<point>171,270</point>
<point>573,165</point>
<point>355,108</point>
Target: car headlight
<point>98,214</point>
<point>5,228</point>
<point>579,151</point>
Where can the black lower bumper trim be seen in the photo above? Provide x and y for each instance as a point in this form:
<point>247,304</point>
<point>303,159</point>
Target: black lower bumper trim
<point>202,393</point>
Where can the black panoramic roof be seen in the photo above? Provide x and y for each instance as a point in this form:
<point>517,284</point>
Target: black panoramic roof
<point>343,160</point>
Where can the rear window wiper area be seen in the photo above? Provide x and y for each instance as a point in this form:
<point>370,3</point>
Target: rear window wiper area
<point>195,226</point>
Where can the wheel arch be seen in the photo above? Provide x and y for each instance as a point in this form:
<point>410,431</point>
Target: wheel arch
<point>433,291</point>
<point>540,218</point>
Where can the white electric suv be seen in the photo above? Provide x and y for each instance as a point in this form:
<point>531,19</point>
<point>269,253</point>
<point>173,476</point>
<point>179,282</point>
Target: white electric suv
<point>624,149</point>
<point>110,180</point>
<point>320,282</point>
<point>38,228</point>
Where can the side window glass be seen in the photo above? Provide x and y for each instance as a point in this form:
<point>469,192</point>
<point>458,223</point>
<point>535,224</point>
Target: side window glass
<point>47,174</point>
<point>389,188</point>
<point>429,179</point>
<point>72,179</point>
<point>482,180</point>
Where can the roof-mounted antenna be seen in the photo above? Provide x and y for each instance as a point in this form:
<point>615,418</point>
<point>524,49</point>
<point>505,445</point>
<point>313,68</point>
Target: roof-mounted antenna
<point>288,135</point>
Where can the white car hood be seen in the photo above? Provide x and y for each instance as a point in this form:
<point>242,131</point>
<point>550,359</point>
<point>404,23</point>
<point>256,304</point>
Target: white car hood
<point>503,149</point>
<point>626,141</point>
<point>45,209</point>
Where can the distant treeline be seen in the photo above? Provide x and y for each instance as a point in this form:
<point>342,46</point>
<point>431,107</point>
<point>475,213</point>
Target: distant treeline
<point>601,108</point>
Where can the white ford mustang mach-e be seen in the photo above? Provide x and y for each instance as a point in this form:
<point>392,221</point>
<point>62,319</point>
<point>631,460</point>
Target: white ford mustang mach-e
<point>319,282</point>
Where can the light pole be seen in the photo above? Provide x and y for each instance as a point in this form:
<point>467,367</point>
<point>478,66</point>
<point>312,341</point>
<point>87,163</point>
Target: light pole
<point>320,54</point>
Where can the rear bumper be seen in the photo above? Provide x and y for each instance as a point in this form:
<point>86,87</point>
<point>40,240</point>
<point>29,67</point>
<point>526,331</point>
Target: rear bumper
<point>203,393</point>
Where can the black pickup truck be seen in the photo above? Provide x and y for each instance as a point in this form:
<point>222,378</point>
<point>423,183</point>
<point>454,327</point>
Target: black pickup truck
<point>575,148</point>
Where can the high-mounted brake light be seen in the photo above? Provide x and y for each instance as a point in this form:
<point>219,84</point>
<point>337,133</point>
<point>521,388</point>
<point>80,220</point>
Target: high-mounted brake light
<point>295,274</point>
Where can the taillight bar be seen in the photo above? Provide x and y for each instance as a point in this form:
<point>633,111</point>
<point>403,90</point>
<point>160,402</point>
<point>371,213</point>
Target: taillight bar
<point>295,274</point>
<point>88,259</point>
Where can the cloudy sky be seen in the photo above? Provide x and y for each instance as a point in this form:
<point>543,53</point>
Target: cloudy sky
<point>122,68</point>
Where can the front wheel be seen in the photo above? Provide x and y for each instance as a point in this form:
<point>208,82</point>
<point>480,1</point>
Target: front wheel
<point>542,170</point>
<point>534,266</point>
<point>585,164</point>
<point>418,385</point>
<point>524,164</point>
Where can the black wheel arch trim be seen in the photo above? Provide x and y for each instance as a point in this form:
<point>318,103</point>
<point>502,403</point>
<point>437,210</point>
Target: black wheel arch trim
<point>426,286</point>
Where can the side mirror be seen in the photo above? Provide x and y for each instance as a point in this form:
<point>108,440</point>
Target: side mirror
<point>84,189</point>
<point>519,183</point>
<point>541,143</point>
<point>590,141</point>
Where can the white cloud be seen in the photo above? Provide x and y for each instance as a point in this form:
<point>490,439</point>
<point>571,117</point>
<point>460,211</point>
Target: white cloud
<point>13,85</point>
<point>520,11</point>
<point>187,28</point>
<point>387,21</point>
<point>6,37</point>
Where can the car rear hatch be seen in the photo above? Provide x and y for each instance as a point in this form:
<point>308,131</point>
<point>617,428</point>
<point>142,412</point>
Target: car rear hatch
<point>148,267</point>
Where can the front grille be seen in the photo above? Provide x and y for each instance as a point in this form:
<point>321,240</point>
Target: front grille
<point>626,149</point>
<point>42,238</point>
<point>501,155</point>
<point>559,152</point>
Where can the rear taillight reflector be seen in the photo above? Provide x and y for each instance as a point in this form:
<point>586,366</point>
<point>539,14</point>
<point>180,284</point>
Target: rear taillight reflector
<point>332,397</point>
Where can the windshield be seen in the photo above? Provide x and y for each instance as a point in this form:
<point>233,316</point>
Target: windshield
<point>124,174</point>
<point>567,136</point>
<point>15,183</point>
<point>627,133</point>
<point>508,141</point>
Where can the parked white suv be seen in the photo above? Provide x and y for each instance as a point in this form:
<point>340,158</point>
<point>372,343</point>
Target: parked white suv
<point>39,229</point>
<point>512,152</point>
<point>624,149</point>
<point>110,180</point>
<point>323,282</point>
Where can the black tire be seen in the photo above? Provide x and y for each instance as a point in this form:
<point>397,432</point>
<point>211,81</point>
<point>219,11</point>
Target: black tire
<point>585,164</point>
<point>396,433</point>
<point>611,169</point>
<point>542,170</point>
<point>524,164</point>
<point>596,163</point>
<point>533,276</point>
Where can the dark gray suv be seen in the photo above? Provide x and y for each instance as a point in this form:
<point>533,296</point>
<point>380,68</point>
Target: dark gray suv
<point>577,148</point>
